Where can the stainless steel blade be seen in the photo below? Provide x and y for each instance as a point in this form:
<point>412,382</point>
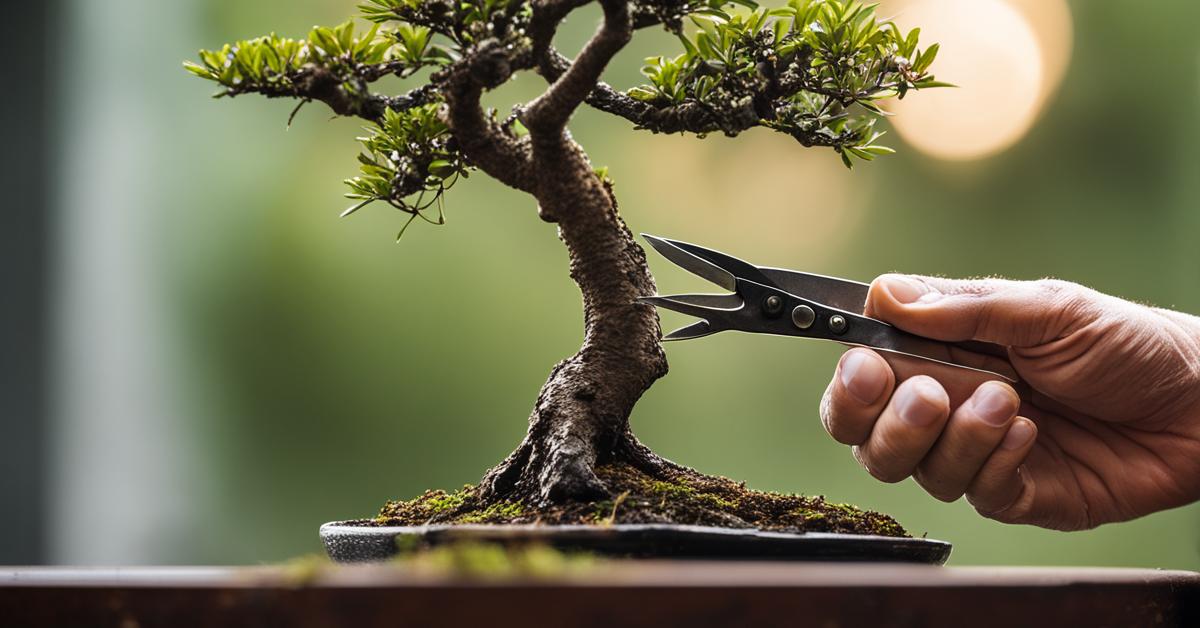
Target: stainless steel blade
<point>727,263</point>
<point>691,262</point>
<point>717,301</point>
<point>697,329</point>
<point>684,307</point>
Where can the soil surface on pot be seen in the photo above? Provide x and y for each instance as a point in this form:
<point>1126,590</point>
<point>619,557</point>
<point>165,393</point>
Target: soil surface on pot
<point>688,498</point>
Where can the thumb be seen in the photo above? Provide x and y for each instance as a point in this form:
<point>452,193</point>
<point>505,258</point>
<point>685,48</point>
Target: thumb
<point>1013,313</point>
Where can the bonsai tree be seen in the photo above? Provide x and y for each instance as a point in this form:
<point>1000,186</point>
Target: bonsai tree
<point>812,69</point>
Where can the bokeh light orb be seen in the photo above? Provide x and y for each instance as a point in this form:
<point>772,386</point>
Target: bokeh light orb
<point>1006,57</point>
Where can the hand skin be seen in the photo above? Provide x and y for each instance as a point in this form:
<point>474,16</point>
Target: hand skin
<point>1105,426</point>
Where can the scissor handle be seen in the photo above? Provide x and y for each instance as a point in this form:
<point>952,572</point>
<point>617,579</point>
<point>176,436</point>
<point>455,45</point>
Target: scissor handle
<point>773,311</point>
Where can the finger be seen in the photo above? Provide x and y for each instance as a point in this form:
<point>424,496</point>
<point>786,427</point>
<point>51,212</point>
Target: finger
<point>959,383</point>
<point>906,429</point>
<point>856,395</point>
<point>968,440</point>
<point>1000,491</point>
<point>1014,313</point>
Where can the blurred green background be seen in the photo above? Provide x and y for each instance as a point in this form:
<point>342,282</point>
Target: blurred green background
<point>231,365</point>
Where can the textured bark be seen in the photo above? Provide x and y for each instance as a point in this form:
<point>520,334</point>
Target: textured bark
<point>581,417</point>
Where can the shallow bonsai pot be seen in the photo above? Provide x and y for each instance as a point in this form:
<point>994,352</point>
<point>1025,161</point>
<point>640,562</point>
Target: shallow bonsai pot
<point>348,542</point>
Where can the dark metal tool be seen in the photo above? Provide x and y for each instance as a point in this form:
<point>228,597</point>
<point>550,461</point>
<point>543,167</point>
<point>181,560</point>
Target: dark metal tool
<point>793,303</point>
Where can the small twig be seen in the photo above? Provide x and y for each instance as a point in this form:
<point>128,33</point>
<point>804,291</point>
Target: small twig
<point>295,111</point>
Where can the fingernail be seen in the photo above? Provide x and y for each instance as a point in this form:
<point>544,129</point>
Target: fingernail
<point>907,290</point>
<point>917,403</point>
<point>1018,435</point>
<point>863,377</point>
<point>994,404</point>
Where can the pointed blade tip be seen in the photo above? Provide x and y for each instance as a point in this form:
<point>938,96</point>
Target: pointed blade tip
<point>699,329</point>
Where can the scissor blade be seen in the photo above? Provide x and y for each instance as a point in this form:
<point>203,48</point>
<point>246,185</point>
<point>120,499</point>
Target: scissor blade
<point>698,329</point>
<point>717,301</point>
<point>684,307</point>
<point>691,263</point>
<point>727,263</point>
<point>843,294</point>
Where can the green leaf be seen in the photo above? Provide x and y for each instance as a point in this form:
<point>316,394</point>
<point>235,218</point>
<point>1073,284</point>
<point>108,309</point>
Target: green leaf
<point>357,207</point>
<point>923,62</point>
<point>199,70</point>
<point>781,29</point>
<point>930,83</point>
<point>441,168</point>
<point>642,94</point>
<point>688,46</point>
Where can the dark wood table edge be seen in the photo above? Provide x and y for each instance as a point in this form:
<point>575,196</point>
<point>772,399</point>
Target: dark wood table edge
<point>624,593</point>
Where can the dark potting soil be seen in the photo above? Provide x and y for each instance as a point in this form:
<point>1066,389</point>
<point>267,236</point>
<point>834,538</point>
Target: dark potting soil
<point>683,498</point>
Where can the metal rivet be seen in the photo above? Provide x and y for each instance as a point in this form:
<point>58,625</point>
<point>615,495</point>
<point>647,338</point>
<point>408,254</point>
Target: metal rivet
<point>773,305</point>
<point>803,316</point>
<point>837,324</point>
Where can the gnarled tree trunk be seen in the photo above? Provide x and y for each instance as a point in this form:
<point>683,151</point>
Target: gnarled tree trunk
<point>581,417</point>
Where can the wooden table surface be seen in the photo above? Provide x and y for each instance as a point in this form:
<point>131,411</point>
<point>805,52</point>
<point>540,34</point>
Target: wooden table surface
<point>614,595</point>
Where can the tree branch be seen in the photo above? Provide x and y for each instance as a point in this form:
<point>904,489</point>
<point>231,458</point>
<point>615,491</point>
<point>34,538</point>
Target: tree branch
<point>547,15</point>
<point>320,84</point>
<point>550,111</point>
<point>485,142</point>
<point>687,117</point>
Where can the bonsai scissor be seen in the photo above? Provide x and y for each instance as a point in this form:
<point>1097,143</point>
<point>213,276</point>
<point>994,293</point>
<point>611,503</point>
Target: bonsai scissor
<point>793,303</point>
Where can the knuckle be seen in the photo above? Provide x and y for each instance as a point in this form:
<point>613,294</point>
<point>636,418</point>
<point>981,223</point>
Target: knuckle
<point>879,468</point>
<point>1066,306</point>
<point>945,496</point>
<point>929,391</point>
<point>1061,295</point>
<point>1055,288</point>
<point>995,504</point>
<point>825,410</point>
<point>863,458</point>
<point>835,422</point>
<point>889,476</point>
<point>939,490</point>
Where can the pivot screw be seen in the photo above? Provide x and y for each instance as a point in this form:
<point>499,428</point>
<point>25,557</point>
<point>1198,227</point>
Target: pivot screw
<point>773,305</point>
<point>803,316</point>
<point>837,324</point>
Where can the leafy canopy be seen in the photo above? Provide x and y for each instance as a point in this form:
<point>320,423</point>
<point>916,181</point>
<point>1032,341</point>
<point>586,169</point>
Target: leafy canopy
<point>813,69</point>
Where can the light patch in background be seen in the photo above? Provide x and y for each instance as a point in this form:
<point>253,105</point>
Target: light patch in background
<point>125,480</point>
<point>761,191</point>
<point>1007,58</point>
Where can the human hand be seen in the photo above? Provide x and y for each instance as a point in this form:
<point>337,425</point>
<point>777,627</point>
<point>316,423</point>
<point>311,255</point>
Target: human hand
<point>1106,427</point>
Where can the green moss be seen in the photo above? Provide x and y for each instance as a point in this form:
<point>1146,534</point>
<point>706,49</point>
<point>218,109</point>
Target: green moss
<point>680,490</point>
<point>680,496</point>
<point>496,513</point>
<point>429,507</point>
<point>445,502</point>
<point>673,490</point>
